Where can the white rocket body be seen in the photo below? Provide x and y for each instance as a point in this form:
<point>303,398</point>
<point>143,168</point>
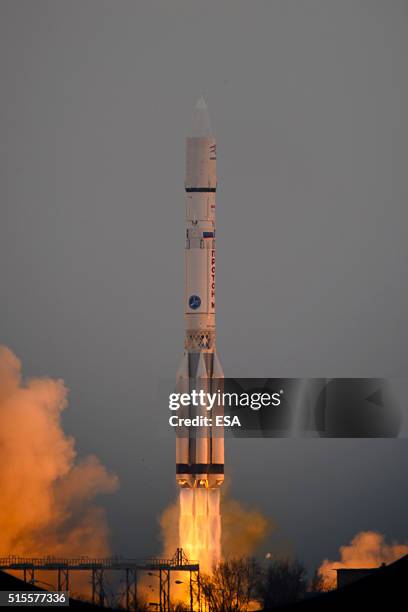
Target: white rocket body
<point>200,450</point>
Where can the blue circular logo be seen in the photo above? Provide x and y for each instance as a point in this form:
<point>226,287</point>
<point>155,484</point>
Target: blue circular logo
<point>194,302</point>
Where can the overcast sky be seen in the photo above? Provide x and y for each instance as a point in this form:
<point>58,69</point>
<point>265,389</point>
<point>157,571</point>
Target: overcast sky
<point>308,101</point>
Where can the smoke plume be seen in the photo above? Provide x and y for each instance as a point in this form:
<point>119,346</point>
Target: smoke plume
<point>243,529</point>
<point>46,495</point>
<point>367,549</point>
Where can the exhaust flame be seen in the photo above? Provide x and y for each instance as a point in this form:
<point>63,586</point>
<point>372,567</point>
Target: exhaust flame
<point>46,497</point>
<point>367,549</point>
<point>200,526</point>
<point>195,523</point>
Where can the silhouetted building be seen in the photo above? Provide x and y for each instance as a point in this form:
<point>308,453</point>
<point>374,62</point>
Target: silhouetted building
<point>348,575</point>
<point>383,588</point>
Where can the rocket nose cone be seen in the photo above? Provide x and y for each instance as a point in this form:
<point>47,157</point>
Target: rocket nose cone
<point>201,126</point>
<point>201,105</point>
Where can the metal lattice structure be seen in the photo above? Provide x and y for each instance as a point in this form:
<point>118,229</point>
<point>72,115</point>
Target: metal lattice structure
<point>98,567</point>
<point>199,340</point>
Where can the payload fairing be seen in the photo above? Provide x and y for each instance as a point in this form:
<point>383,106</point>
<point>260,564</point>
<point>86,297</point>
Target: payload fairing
<point>200,450</point>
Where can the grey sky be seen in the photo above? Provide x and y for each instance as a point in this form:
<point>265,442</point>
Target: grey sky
<point>308,102</point>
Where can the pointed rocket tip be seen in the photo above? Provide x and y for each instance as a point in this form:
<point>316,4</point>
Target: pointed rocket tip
<point>201,127</point>
<point>201,105</point>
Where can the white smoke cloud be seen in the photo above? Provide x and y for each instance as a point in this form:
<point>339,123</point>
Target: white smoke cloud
<point>46,495</point>
<point>367,549</point>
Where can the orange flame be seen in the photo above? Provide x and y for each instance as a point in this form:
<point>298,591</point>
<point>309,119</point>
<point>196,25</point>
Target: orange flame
<point>196,524</point>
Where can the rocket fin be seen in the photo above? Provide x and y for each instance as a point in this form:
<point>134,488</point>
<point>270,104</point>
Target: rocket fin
<point>217,368</point>
<point>183,372</point>
<point>201,367</point>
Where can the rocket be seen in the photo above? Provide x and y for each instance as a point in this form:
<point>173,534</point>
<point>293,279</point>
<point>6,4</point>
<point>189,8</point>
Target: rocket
<point>200,450</point>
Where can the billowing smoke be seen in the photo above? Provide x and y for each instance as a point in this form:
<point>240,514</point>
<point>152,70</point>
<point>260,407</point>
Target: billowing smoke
<point>169,520</point>
<point>243,529</point>
<point>46,495</point>
<point>367,549</point>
